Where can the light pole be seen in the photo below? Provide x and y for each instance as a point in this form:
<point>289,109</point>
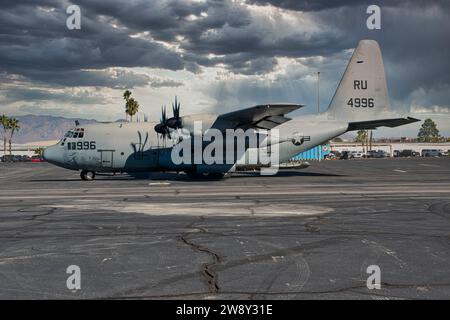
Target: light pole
<point>318,92</point>
<point>318,111</point>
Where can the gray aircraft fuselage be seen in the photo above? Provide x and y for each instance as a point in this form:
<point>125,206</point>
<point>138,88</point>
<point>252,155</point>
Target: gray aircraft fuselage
<point>136,147</point>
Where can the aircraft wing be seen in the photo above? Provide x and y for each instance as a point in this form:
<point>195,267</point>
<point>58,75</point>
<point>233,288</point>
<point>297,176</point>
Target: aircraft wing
<point>372,124</point>
<point>266,116</point>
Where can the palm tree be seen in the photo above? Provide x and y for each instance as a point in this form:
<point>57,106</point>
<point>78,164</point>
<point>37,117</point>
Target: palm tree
<point>133,107</point>
<point>4,122</point>
<point>361,136</point>
<point>13,125</point>
<point>126,96</point>
<point>39,151</point>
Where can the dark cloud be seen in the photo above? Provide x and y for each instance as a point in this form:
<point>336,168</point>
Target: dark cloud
<point>320,5</point>
<point>168,19</point>
<point>254,66</point>
<point>43,3</point>
<point>27,94</point>
<point>34,40</point>
<point>178,35</point>
<point>112,78</point>
<point>298,85</point>
<point>35,43</point>
<point>160,83</point>
<point>413,40</point>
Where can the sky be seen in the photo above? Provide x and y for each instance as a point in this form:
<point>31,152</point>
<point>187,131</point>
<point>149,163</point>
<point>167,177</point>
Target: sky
<point>216,56</point>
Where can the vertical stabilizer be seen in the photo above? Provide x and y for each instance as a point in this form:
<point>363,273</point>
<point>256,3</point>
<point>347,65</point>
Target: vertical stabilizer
<point>362,93</point>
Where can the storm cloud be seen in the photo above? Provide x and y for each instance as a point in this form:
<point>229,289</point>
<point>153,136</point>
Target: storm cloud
<point>268,49</point>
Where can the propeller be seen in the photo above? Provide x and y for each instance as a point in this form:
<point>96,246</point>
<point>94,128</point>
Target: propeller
<point>162,127</point>
<point>175,121</point>
<point>165,124</point>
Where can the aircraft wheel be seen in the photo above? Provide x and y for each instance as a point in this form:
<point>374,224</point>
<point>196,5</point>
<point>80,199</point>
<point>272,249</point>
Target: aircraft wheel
<point>87,175</point>
<point>216,175</point>
<point>193,175</point>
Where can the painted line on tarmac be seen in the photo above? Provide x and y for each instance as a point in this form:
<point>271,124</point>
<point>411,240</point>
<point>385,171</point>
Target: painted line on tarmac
<point>159,184</point>
<point>429,165</point>
<point>206,194</point>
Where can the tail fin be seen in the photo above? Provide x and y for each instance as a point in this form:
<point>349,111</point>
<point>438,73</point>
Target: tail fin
<point>362,93</point>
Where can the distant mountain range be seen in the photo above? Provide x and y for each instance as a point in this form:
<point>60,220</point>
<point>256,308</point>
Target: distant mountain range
<point>39,128</point>
<point>42,128</point>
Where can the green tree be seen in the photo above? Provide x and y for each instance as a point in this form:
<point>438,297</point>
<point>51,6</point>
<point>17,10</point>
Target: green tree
<point>132,108</point>
<point>13,126</point>
<point>131,105</point>
<point>126,96</point>
<point>4,121</point>
<point>428,132</point>
<point>361,136</point>
<point>39,151</point>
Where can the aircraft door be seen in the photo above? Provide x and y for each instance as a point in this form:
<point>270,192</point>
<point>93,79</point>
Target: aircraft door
<point>107,158</point>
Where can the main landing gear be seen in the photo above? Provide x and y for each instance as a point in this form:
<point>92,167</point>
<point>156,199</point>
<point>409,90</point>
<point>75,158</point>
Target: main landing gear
<point>209,176</point>
<point>87,175</point>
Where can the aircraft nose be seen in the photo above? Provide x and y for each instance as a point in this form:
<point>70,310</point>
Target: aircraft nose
<point>51,154</point>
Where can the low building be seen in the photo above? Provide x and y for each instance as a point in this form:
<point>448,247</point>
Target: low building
<point>390,147</point>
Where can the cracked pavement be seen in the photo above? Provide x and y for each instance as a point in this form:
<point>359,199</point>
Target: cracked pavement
<point>301,234</point>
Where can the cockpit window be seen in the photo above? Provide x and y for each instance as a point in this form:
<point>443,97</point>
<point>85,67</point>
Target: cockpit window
<point>75,133</point>
<point>80,132</point>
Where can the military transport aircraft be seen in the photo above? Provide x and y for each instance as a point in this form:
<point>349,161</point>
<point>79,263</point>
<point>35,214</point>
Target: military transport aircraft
<point>360,102</point>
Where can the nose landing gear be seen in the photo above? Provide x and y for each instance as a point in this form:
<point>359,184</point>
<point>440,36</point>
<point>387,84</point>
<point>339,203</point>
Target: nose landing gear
<point>87,175</point>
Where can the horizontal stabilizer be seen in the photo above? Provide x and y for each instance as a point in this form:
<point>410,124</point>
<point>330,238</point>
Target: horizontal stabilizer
<point>372,124</point>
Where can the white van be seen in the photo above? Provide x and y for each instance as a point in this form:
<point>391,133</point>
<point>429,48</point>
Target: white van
<point>355,154</point>
<point>431,153</point>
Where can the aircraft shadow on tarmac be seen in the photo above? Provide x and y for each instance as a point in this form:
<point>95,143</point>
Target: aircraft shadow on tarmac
<point>172,176</point>
<point>288,174</point>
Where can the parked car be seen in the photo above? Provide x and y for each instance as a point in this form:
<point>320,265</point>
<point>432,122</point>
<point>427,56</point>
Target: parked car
<point>15,158</point>
<point>377,154</point>
<point>9,158</point>
<point>344,155</point>
<point>372,154</point>
<point>25,158</point>
<point>431,153</point>
<point>408,153</point>
<point>37,158</point>
<point>355,154</point>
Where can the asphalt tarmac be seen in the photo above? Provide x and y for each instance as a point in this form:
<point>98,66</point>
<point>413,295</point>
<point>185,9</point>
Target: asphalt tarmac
<point>306,234</point>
